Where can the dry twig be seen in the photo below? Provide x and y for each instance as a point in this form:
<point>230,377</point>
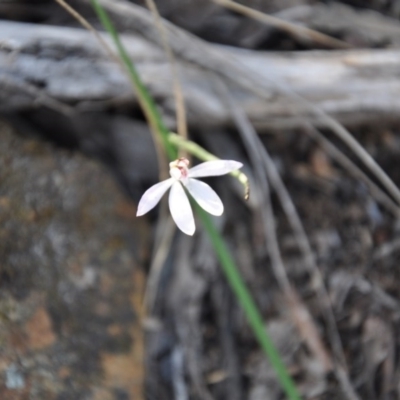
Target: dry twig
<point>350,166</point>
<point>177,87</point>
<point>297,31</point>
<point>40,96</point>
<point>165,227</point>
<point>86,24</point>
<point>164,235</point>
<point>184,45</point>
<point>300,314</point>
<point>386,249</point>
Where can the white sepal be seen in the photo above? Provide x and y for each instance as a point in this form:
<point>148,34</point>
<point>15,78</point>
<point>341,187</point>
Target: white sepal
<point>181,210</point>
<point>205,196</point>
<point>214,168</point>
<point>152,196</point>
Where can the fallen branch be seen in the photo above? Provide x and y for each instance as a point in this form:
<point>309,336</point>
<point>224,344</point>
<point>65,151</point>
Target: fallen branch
<point>68,65</point>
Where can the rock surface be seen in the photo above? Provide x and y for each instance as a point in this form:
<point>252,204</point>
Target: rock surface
<point>69,243</point>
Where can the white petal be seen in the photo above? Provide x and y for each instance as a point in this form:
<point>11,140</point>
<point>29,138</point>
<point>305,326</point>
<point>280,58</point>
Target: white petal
<point>180,209</point>
<point>205,196</point>
<point>214,168</point>
<point>153,195</point>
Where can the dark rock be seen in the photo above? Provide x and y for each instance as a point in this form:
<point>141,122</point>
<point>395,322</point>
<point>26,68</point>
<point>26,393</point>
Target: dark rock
<point>69,243</point>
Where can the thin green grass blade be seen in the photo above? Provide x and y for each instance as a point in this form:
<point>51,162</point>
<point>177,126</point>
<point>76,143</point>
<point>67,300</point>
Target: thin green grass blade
<point>246,301</point>
<point>146,101</point>
<point>228,265</point>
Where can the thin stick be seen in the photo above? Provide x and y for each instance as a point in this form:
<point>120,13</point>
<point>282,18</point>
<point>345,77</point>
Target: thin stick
<point>362,154</point>
<point>178,92</point>
<point>340,131</point>
<point>300,314</point>
<point>247,302</point>
<point>41,97</point>
<point>379,195</point>
<point>311,265</point>
<point>262,158</point>
<point>87,25</point>
<point>165,228</point>
<point>227,263</point>
<point>386,249</point>
<point>164,233</point>
<point>292,29</point>
<point>189,48</point>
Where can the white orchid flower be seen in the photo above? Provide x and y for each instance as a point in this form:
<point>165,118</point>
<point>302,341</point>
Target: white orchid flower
<point>182,176</point>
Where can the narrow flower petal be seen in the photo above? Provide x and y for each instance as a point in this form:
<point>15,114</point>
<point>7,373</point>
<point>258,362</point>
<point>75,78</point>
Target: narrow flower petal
<point>152,196</point>
<point>205,196</point>
<point>180,209</point>
<point>214,168</point>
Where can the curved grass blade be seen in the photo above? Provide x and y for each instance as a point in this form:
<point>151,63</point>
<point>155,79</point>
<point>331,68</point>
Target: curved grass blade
<point>228,265</point>
<point>145,100</point>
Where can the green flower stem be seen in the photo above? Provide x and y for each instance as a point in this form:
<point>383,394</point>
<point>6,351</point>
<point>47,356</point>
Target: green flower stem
<point>171,142</point>
<point>202,154</point>
<point>246,301</point>
<point>145,100</point>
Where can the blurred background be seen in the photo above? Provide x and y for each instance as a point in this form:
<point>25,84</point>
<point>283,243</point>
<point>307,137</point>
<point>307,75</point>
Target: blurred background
<point>97,304</point>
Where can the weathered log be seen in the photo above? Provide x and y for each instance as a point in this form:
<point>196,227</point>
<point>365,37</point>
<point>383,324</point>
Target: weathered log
<point>59,66</point>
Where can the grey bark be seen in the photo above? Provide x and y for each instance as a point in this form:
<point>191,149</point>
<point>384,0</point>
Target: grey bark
<point>66,69</point>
